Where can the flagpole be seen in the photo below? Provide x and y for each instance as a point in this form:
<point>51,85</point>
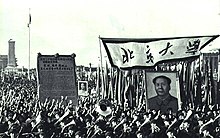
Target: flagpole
<point>29,44</point>
<point>29,49</point>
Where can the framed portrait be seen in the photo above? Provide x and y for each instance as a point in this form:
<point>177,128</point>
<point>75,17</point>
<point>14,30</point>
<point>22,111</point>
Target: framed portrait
<point>83,88</point>
<point>153,94</point>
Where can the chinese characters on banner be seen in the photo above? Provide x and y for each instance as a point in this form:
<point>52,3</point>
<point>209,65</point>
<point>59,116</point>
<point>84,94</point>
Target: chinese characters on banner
<point>125,53</point>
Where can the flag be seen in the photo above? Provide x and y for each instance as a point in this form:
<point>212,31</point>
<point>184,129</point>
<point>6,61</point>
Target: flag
<point>103,83</point>
<point>199,84</point>
<point>212,77</point>
<point>188,81</point>
<point>29,22</point>
<point>111,86</point>
<point>98,77</point>
<point>218,79</point>
<point>215,78</point>
<point>120,87</point>
<point>205,86</point>
<point>127,53</point>
<point>209,82</point>
<point>116,82</point>
<point>182,81</point>
<point>137,87</point>
<point>129,89</point>
<point>142,90</point>
<point>106,80</point>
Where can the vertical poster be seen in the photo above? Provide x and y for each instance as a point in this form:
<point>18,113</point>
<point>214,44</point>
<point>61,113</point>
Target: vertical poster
<point>57,77</point>
<point>163,91</point>
<point>83,88</point>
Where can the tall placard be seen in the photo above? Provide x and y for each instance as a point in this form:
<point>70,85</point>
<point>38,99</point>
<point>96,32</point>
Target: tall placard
<point>57,77</point>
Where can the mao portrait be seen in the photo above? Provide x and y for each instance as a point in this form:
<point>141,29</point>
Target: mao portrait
<point>83,88</point>
<point>162,91</point>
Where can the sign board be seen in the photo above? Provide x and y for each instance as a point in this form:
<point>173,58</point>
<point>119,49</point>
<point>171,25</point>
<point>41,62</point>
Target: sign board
<point>57,77</point>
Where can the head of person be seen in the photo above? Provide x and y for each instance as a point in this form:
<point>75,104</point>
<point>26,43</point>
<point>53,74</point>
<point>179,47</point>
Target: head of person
<point>162,85</point>
<point>186,124</point>
<point>78,134</point>
<point>138,122</point>
<point>108,135</point>
<point>71,130</point>
<point>83,86</point>
<point>139,134</point>
<point>126,127</point>
<point>170,134</point>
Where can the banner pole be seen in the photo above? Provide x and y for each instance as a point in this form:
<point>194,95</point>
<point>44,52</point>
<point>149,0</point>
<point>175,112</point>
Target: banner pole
<point>102,79</point>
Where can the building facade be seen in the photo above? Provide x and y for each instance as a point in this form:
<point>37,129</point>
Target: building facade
<point>3,61</point>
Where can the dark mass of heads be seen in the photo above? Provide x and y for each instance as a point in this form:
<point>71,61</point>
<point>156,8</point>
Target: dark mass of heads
<point>22,115</point>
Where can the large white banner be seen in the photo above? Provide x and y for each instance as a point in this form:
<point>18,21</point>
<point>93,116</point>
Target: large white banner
<point>125,53</point>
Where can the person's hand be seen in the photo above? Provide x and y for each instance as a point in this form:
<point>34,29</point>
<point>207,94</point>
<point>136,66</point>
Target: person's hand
<point>188,114</point>
<point>53,101</point>
<point>203,108</point>
<point>70,102</point>
<point>181,127</point>
<point>147,119</point>
<point>197,109</point>
<point>62,98</point>
<point>155,128</point>
<point>65,98</point>
<point>158,114</point>
<point>135,118</point>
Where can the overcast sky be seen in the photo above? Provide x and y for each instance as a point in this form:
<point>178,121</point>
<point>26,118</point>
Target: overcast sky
<point>73,26</point>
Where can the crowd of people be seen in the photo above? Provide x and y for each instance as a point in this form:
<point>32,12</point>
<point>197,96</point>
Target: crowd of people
<point>22,115</point>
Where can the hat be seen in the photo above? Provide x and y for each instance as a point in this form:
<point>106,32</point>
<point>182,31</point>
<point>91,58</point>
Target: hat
<point>162,76</point>
<point>181,113</point>
<point>40,133</point>
<point>14,128</point>
<point>139,132</point>
<point>174,125</point>
<point>88,118</point>
<point>78,133</point>
<point>206,127</point>
<point>114,118</point>
<point>104,107</point>
<point>71,107</point>
<point>40,125</point>
<point>71,127</point>
<point>101,124</point>
<point>158,121</point>
<point>108,133</point>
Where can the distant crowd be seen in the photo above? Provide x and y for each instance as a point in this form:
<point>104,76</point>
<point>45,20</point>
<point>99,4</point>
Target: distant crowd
<point>22,115</point>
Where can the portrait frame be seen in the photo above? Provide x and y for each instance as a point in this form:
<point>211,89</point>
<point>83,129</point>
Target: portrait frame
<point>79,87</point>
<point>175,86</point>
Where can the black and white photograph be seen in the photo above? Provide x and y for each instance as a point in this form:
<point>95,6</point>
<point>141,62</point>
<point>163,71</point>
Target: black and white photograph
<point>83,88</point>
<point>109,69</point>
<point>162,91</point>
